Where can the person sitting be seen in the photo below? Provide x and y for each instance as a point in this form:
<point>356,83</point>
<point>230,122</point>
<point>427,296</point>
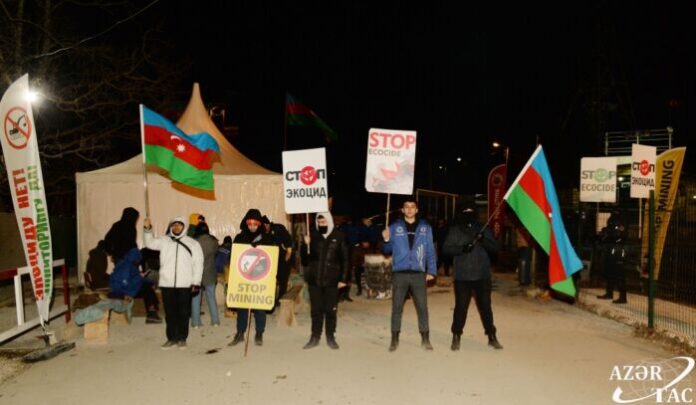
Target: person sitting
<point>126,282</point>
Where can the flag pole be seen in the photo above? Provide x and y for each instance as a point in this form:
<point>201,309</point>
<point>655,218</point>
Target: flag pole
<point>142,140</point>
<point>246,343</point>
<point>386,222</point>
<point>307,217</point>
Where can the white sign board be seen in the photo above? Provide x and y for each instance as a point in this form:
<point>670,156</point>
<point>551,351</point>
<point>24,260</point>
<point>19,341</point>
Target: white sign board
<point>304,179</point>
<point>391,161</point>
<point>598,179</point>
<point>643,160</point>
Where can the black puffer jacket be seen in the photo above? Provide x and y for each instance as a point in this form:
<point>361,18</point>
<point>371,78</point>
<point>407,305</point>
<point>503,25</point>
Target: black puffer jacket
<point>328,261</point>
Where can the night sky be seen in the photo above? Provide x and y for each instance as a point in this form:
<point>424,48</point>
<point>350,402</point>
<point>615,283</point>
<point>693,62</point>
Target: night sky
<point>460,75</point>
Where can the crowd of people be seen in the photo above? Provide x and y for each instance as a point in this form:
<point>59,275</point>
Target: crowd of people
<point>186,263</point>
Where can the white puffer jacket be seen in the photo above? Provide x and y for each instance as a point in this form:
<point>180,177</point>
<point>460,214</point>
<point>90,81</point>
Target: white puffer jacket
<point>178,267</point>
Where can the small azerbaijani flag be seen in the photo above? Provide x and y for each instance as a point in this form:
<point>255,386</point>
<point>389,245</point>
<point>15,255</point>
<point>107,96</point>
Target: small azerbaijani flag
<point>187,158</point>
<point>533,198</point>
<point>300,115</point>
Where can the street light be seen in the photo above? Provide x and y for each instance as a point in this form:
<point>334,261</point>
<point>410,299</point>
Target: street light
<point>498,145</point>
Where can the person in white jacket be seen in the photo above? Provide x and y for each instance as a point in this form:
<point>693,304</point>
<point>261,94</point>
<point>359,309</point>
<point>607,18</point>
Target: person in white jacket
<point>181,269</point>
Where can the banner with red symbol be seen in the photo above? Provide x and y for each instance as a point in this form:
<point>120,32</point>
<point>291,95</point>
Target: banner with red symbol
<point>304,180</point>
<point>391,161</point>
<point>497,180</point>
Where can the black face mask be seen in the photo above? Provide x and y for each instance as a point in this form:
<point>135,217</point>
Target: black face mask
<point>323,229</point>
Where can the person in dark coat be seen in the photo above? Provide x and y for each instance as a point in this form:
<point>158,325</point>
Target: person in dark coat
<point>97,263</point>
<point>209,245</point>
<point>469,243</point>
<point>252,234</point>
<point>328,264</point>
<point>122,236</point>
<point>280,237</point>
<point>611,240</point>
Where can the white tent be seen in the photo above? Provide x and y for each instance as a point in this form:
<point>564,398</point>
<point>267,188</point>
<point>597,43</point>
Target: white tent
<point>240,184</point>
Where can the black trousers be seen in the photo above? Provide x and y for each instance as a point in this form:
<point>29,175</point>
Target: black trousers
<point>462,296</point>
<point>616,278</point>
<point>324,301</point>
<point>147,293</point>
<point>177,311</point>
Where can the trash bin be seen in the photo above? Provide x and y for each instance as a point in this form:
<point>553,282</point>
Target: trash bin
<point>377,276</point>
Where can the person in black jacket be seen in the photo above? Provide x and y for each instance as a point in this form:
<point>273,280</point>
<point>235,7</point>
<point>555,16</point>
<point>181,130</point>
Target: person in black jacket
<point>121,238</point>
<point>612,242</point>
<point>251,233</point>
<point>469,243</point>
<point>327,264</point>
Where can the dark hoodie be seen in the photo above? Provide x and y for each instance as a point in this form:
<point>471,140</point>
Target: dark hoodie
<point>122,236</point>
<point>253,238</point>
<point>328,261</point>
<point>470,244</point>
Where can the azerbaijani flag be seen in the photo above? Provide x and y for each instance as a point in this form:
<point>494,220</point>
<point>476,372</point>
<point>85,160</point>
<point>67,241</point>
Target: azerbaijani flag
<point>187,158</point>
<point>533,198</point>
<point>300,115</point>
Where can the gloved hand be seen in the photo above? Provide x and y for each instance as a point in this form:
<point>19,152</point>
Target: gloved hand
<point>195,289</point>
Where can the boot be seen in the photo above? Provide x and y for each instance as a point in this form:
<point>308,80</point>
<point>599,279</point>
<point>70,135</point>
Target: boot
<point>313,342</point>
<point>493,342</point>
<point>456,341</point>
<point>394,342</point>
<point>258,339</point>
<point>238,338</point>
<point>425,341</point>
<point>153,317</point>
<point>621,299</point>
<point>606,296</point>
<point>331,342</point>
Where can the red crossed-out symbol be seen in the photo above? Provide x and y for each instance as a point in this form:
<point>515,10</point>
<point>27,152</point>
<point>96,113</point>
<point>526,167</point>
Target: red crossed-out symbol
<point>17,127</point>
<point>644,167</point>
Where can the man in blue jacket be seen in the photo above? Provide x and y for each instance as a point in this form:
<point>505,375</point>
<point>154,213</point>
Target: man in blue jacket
<point>410,241</point>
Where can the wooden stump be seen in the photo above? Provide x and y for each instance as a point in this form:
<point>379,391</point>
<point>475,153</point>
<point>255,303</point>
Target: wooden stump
<point>97,332</point>
<point>287,306</point>
<point>118,318</point>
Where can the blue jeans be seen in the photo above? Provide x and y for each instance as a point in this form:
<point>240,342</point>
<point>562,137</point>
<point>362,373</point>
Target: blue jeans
<point>209,291</point>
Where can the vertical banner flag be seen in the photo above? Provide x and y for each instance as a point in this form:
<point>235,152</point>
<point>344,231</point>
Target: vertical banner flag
<point>669,165</point>
<point>252,280</point>
<point>642,170</point>
<point>391,161</point>
<point>598,179</point>
<point>304,181</point>
<point>533,198</point>
<point>497,180</point>
<point>21,151</point>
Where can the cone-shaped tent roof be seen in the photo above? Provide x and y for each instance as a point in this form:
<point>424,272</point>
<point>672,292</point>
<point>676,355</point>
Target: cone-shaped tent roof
<point>195,119</point>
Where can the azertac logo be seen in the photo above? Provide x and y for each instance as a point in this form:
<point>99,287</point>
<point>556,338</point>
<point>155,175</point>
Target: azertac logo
<point>654,379</point>
<point>644,167</point>
<point>308,175</point>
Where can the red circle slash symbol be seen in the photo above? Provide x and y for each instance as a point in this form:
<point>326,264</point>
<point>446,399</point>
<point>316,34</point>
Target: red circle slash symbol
<point>644,167</point>
<point>17,127</point>
<point>254,264</point>
<point>308,175</point>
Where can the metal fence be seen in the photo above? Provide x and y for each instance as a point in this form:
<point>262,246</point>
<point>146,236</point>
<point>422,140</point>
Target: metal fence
<point>674,305</point>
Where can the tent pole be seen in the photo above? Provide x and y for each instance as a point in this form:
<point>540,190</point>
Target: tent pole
<point>142,140</point>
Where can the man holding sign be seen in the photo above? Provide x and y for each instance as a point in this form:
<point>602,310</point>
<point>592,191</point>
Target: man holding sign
<point>410,241</point>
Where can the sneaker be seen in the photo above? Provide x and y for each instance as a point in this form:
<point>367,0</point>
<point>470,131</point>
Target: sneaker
<point>168,344</point>
<point>238,338</point>
<point>196,326</point>
<point>258,339</point>
<point>181,344</point>
<point>153,320</point>
<point>215,325</point>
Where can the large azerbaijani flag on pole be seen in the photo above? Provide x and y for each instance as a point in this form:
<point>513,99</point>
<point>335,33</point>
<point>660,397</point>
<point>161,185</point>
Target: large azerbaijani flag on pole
<point>187,158</point>
<point>533,198</point>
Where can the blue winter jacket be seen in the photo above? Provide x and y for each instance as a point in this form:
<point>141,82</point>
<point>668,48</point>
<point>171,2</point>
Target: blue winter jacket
<point>126,278</point>
<point>421,257</point>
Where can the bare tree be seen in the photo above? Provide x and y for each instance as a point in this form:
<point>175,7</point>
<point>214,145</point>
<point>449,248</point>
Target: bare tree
<point>91,77</point>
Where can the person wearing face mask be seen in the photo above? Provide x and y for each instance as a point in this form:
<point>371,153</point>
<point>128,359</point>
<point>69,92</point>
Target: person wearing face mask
<point>469,243</point>
<point>181,270</point>
<point>251,233</point>
<point>327,264</point>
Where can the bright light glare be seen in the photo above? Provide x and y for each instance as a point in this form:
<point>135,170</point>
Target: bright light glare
<point>496,145</point>
<point>33,96</point>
